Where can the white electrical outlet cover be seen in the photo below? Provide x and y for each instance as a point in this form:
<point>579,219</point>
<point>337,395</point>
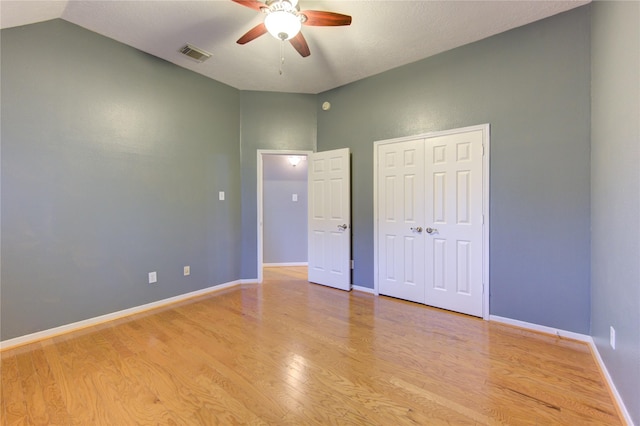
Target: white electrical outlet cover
<point>612,337</point>
<point>153,277</point>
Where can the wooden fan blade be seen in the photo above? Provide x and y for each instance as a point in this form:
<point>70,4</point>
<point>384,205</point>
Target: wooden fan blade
<point>252,4</point>
<point>253,34</point>
<point>300,44</point>
<point>318,18</point>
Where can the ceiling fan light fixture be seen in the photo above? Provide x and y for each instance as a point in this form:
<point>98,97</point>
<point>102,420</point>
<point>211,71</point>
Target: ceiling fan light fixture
<point>283,21</point>
<point>282,25</point>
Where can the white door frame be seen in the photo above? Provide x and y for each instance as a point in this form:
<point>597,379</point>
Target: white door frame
<point>260,199</point>
<point>486,128</point>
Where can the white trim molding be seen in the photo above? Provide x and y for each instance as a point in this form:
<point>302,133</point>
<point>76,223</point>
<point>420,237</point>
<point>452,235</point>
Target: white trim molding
<point>542,328</point>
<point>612,387</point>
<point>74,326</point>
<point>622,409</point>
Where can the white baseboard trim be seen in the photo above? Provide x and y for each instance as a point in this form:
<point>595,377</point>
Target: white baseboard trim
<point>363,289</point>
<point>614,391</point>
<point>580,337</point>
<point>249,281</point>
<point>268,265</point>
<point>541,328</point>
<point>67,328</point>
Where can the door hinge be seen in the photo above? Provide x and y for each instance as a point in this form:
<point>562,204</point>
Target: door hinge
<point>351,263</point>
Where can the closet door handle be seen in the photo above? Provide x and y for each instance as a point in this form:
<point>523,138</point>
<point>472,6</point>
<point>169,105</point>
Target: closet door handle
<point>431,230</point>
<point>417,229</point>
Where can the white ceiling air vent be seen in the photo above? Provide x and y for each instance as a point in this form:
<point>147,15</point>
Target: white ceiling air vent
<point>194,53</point>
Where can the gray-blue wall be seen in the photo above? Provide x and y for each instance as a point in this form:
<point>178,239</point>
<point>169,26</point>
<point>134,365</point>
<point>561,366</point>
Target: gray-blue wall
<point>275,121</point>
<point>284,220</point>
<point>111,165</point>
<point>532,85</point>
<point>615,195</point>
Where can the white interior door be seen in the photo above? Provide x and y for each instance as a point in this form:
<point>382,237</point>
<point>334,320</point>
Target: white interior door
<point>401,218</point>
<point>430,231</point>
<point>454,216</point>
<point>329,237</point>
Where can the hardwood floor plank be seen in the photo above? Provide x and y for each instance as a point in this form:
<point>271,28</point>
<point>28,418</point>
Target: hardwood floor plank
<point>56,407</point>
<point>77,366</point>
<point>451,406</point>
<point>211,373</point>
<point>289,352</point>
<point>37,406</point>
<point>13,400</point>
<point>63,378</point>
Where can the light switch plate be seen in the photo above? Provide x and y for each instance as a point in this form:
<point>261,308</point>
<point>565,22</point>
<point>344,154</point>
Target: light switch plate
<point>612,337</point>
<point>221,195</point>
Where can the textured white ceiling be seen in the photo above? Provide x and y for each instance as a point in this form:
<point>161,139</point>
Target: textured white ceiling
<point>384,34</point>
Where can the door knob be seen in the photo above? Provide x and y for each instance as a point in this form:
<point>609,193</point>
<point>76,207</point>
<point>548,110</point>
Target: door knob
<point>343,227</point>
<point>431,230</point>
<point>417,229</point>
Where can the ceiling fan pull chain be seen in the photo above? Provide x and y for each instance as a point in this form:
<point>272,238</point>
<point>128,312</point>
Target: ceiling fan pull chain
<point>281,56</point>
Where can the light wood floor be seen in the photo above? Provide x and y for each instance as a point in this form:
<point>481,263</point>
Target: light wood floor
<point>289,352</point>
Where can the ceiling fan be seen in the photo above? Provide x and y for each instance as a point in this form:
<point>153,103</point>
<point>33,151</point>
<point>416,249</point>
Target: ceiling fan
<point>284,20</point>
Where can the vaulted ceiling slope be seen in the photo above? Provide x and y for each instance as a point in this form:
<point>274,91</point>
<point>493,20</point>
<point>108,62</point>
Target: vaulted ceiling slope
<point>382,36</point>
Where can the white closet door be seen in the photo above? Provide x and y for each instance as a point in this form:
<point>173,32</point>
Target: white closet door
<point>453,220</point>
<point>430,244</point>
<point>401,219</point>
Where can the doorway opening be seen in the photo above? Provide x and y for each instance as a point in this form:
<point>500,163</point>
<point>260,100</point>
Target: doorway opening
<point>281,208</point>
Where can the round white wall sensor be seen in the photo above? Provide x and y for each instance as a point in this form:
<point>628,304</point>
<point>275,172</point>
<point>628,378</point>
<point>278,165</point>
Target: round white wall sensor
<point>326,106</point>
